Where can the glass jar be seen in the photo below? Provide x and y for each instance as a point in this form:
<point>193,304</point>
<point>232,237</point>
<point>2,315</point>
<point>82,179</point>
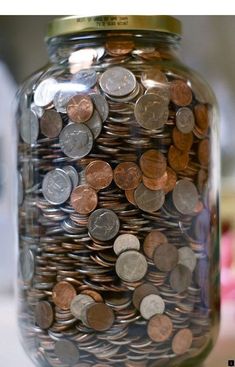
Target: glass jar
<point>118,199</point>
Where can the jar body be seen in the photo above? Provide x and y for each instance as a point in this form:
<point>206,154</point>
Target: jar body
<point>118,206</point>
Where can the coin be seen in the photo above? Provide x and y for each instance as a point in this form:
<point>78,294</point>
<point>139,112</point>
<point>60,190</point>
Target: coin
<point>85,78</point>
<point>100,317</point>
<point>80,108</point>
<point>201,116</point>
<point>56,186</point>
<point>182,341</point>
<point>204,152</point>
<point>185,120</point>
<point>103,224</point>
<point>29,127</point>
<point>151,305</point>
<point>149,200</point>
<point>154,239</point>
<point>177,159</point>
<point>95,124</point>
<point>117,81</point>
<point>151,112</point>
<point>180,278</point>
<point>180,92</point>
<point>20,190</point>
<point>61,99</point>
<point>127,175</point>
<point>67,352</point>
<point>63,294</point>
<point>76,140</point>
<point>181,140</point>
<point>187,257</point>
<point>79,303</point>
<point>130,196</point>
<point>84,199</point>
<point>142,291</point>
<point>73,174</point>
<point>185,196</point>
<point>93,294</point>
<point>119,47</point>
<point>44,315</point>
<point>162,90</point>
<point>152,77</point>
<point>160,328</point>
<point>45,92</point>
<point>125,242</point>
<point>171,180</point>
<point>131,266</point>
<point>51,124</point>
<point>27,264</point>
<point>99,174</point>
<point>153,163</point>
<point>166,257</point>
<point>155,183</point>
<point>101,105</point>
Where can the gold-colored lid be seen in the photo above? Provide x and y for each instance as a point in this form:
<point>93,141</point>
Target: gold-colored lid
<point>74,24</point>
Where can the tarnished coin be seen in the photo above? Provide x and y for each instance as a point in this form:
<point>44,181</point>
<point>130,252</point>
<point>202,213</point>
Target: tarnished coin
<point>130,196</point>
<point>182,141</point>
<point>151,112</point>
<point>99,174</point>
<point>159,328</point>
<point>185,196</point>
<point>151,305</point>
<point>181,93</point>
<point>62,295</point>
<point>84,199</point>
<point>100,317</point>
<point>79,303</point>
<point>101,105</point>
<point>80,108</point>
<point>154,239</point>
<point>201,115</point>
<point>119,47</point>
<point>149,200</point>
<point>103,224</point>
<point>153,163</point>
<point>131,266</point>
<point>86,78</point>
<point>73,175</point>
<point>153,77</point>
<point>45,92</point>
<point>182,341</point>
<point>155,183</point>
<point>204,152</point>
<point>180,278</point>
<point>185,120</point>
<point>29,127</point>
<point>125,242</point>
<point>117,81</point>
<point>178,160</point>
<point>95,124</point>
<point>142,291</point>
<point>76,140</point>
<point>27,264</point>
<point>187,258</point>
<point>166,257</point>
<point>127,175</point>
<point>44,314</point>
<point>67,352</point>
<point>56,186</point>
<point>171,180</point>
<point>162,91</point>
<point>51,124</point>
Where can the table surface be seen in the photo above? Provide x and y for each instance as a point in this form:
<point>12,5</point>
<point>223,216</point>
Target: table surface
<point>12,354</point>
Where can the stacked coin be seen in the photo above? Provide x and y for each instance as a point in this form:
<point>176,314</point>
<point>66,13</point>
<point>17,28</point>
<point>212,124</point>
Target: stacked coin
<point>114,212</point>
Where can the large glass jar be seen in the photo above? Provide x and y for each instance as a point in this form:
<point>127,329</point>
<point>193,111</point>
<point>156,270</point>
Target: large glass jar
<point>118,199</point>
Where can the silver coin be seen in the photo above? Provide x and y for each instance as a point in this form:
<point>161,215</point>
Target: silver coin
<point>151,305</point>
<point>79,303</point>
<point>126,242</point>
<point>101,105</point>
<point>162,91</point>
<point>103,224</point>
<point>27,264</point>
<point>185,196</point>
<point>187,257</point>
<point>20,189</point>
<point>76,140</point>
<point>73,175</point>
<point>149,200</point>
<point>151,112</point>
<point>29,127</point>
<point>61,99</point>
<point>180,278</point>
<point>67,352</point>
<point>185,120</point>
<point>95,124</point>
<point>117,81</point>
<point>153,77</point>
<point>131,266</point>
<point>45,92</point>
<point>86,78</point>
<point>56,186</point>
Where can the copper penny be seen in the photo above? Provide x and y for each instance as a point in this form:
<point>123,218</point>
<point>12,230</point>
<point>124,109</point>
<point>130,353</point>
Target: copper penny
<point>182,141</point>
<point>63,294</point>
<point>180,92</point>
<point>95,295</point>
<point>127,175</point>
<point>201,116</point>
<point>80,108</point>
<point>182,341</point>
<point>100,317</point>
<point>177,159</point>
<point>153,163</point>
<point>171,180</point>
<point>159,328</point>
<point>154,239</point>
<point>166,257</point>
<point>84,199</point>
<point>130,196</point>
<point>204,152</point>
<point>180,278</point>
<point>51,124</point>
<point>99,174</point>
<point>142,291</point>
<point>119,47</point>
<point>44,315</point>
<point>155,183</point>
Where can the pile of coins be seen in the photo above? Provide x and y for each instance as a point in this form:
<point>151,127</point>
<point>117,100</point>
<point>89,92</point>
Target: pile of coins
<point>114,213</point>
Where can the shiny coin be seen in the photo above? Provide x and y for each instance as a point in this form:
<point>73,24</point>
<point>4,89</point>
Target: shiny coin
<point>160,328</point>
<point>182,341</point>
<point>29,127</point>
<point>185,196</point>
<point>27,264</point>
<point>103,224</point>
<point>85,78</point>
<point>187,257</point>
<point>185,120</point>
<point>202,117</point>
<point>153,163</point>
<point>182,141</point>
<point>101,105</point>
<point>79,303</point>
<point>204,152</point>
<point>99,174</point>
<point>95,124</point>
<point>45,92</point>
<point>151,305</point>
<point>155,183</point>
<point>56,186</point>
<point>162,91</point>
<point>80,108</point>
<point>154,239</point>
<point>142,291</point>
<point>61,99</point>
<point>153,77</point>
<point>171,180</point>
<point>62,295</point>
<point>149,200</point>
<point>119,47</point>
<point>180,278</point>
<point>100,317</point>
<point>151,112</point>
<point>76,140</point>
<point>67,352</point>
<point>127,175</point>
<point>117,81</point>
<point>131,266</point>
<point>44,315</point>
<point>177,159</point>
<point>166,257</point>
<point>51,124</point>
<point>73,175</point>
<point>126,242</point>
<point>84,199</point>
<point>181,94</point>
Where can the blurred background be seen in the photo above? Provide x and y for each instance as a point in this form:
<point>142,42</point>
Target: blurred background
<point>208,47</point>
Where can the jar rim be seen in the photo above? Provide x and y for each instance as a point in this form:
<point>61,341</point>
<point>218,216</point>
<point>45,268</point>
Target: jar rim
<point>75,24</point>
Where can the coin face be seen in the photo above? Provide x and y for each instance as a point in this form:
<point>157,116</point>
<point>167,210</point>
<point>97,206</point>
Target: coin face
<point>153,163</point>
<point>162,91</point>
<point>79,303</point>
<point>100,317</point>
<point>166,257</point>
<point>177,159</point>
<point>117,81</point>
<point>84,199</point>
<point>185,120</point>
<point>44,315</point>
<point>27,264</point>
<point>155,183</point>
<point>76,140</point>
<point>51,124</point>
<point>56,186</point>
<point>204,152</point>
<point>73,175</point>
<point>201,115</point>
<point>142,291</point>
<point>185,196</point>
<point>180,278</point>
<point>154,239</point>
<point>149,200</point>
<point>127,175</point>
<point>151,305</point>
<point>131,266</point>
<point>63,294</point>
<point>182,141</point>
<point>180,92</point>
<point>160,328</point>
<point>45,92</point>
<point>99,174</point>
<point>86,78</point>
<point>187,258</point>
<point>182,341</point>
<point>101,105</point>
<point>95,124</point>
<point>103,224</point>
<point>29,127</point>
<point>80,108</point>
<point>126,242</point>
<point>67,352</point>
<point>153,77</point>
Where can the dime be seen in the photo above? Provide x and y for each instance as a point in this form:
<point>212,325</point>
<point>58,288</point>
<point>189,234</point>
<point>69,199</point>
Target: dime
<point>79,303</point>
<point>95,124</point>
<point>185,196</point>
<point>149,200</point>
<point>182,141</point>
<point>177,159</point>
<point>51,124</point>
<point>151,305</point>
<point>27,264</point>
<point>73,175</point>
<point>119,47</point>
<point>182,341</point>
<point>80,108</point>
<point>56,186</point>
<point>99,174</point>
<point>151,112</point>
<point>62,295</point>
<point>153,163</point>
<point>45,92</point>
<point>201,115</point>
<point>166,257</point>
<point>187,258</point>
<point>131,266</point>
<point>101,105</point>
<point>160,328</point>
<point>84,199</point>
<point>180,278</point>
<point>44,315</point>
<point>181,94</point>
<point>103,224</point>
<point>153,77</point>
<point>100,317</point>
<point>85,78</point>
<point>127,175</point>
<point>126,242</point>
<point>185,120</point>
<point>29,127</point>
<point>67,352</point>
<point>76,140</point>
<point>142,291</point>
<point>204,152</point>
<point>154,239</point>
<point>117,81</point>
<point>171,180</point>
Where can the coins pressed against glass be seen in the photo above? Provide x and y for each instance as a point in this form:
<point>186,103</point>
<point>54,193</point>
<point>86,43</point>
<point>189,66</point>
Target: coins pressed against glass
<point>112,200</point>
